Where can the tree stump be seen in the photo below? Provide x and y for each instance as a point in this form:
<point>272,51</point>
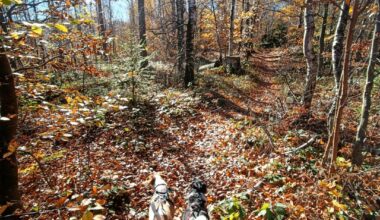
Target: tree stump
<point>233,64</point>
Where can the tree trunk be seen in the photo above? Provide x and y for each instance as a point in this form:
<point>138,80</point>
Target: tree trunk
<point>357,157</point>
<point>337,48</point>
<point>132,19</point>
<point>334,138</point>
<point>337,51</point>
<point>142,29</point>
<point>8,127</point>
<point>180,34</point>
<point>311,72</point>
<point>322,39</point>
<point>217,31</point>
<point>191,24</point>
<point>231,32</point>
<point>102,25</point>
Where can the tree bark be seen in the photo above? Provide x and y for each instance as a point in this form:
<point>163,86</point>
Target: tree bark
<point>142,29</point>
<point>191,24</point>
<point>9,192</point>
<point>322,39</point>
<point>334,138</point>
<point>357,157</point>
<point>101,23</point>
<point>337,48</point>
<point>231,31</point>
<point>180,35</point>
<point>217,31</point>
<point>337,52</point>
<point>311,72</point>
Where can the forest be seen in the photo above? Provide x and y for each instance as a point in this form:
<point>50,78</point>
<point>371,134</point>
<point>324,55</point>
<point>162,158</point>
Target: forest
<point>190,109</point>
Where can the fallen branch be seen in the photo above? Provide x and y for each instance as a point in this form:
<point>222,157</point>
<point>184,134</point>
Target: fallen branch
<point>270,139</point>
<point>43,171</point>
<point>302,146</point>
<point>37,66</point>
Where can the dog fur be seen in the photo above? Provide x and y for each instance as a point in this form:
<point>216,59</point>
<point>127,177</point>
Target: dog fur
<point>196,202</point>
<point>161,206</point>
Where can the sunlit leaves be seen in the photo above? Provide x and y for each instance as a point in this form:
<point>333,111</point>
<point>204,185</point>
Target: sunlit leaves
<point>9,2</point>
<point>341,162</point>
<point>61,27</point>
<point>37,30</point>
<point>339,206</point>
<point>87,215</point>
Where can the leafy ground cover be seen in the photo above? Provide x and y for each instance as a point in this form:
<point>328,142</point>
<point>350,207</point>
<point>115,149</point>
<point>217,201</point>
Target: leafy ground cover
<point>83,156</point>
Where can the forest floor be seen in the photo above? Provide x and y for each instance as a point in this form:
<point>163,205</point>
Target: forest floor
<point>82,156</point>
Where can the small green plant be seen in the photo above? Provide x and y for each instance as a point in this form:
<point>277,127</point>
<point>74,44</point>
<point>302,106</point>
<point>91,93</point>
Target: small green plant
<point>274,179</point>
<point>230,209</point>
<point>132,70</point>
<point>269,212</point>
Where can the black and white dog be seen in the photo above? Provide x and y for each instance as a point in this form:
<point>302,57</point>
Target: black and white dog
<point>196,202</point>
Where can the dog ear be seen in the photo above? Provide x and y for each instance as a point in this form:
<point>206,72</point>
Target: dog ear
<point>199,186</point>
<point>150,180</point>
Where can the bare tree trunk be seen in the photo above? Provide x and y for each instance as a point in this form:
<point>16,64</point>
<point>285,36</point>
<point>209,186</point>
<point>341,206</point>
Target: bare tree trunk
<point>243,3</point>
<point>132,18</point>
<point>357,157</point>
<point>142,29</point>
<point>337,48</point>
<point>189,69</point>
<point>111,27</point>
<point>180,35</point>
<point>8,127</point>
<point>322,39</point>
<point>102,25</point>
<point>231,32</point>
<point>337,52</point>
<point>334,138</point>
<point>217,31</point>
<point>311,74</point>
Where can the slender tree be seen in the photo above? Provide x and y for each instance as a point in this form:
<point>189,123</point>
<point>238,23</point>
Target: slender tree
<point>322,38</point>
<point>357,157</point>
<point>231,31</point>
<point>101,23</point>
<point>337,52</point>
<point>311,73</point>
<point>191,24</point>
<point>338,42</point>
<point>142,29</point>
<point>9,193</point>
<point>334,137</point>
<point>217,31</point>
<point>180,35</point>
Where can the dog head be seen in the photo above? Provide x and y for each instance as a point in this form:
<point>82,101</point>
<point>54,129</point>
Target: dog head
<point>161,206</point>
<point>196,200</point>
<point>198,186</point>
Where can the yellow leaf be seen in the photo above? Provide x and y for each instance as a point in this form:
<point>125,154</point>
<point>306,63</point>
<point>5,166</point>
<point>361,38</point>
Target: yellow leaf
<point>335,193</point>
<point>37,30</point>
<point>341,162</point>
<point>15,35</point>
<point>69,100</point>
<point>61,27</point>
<point>87,216</point>
<point>338,205</point>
